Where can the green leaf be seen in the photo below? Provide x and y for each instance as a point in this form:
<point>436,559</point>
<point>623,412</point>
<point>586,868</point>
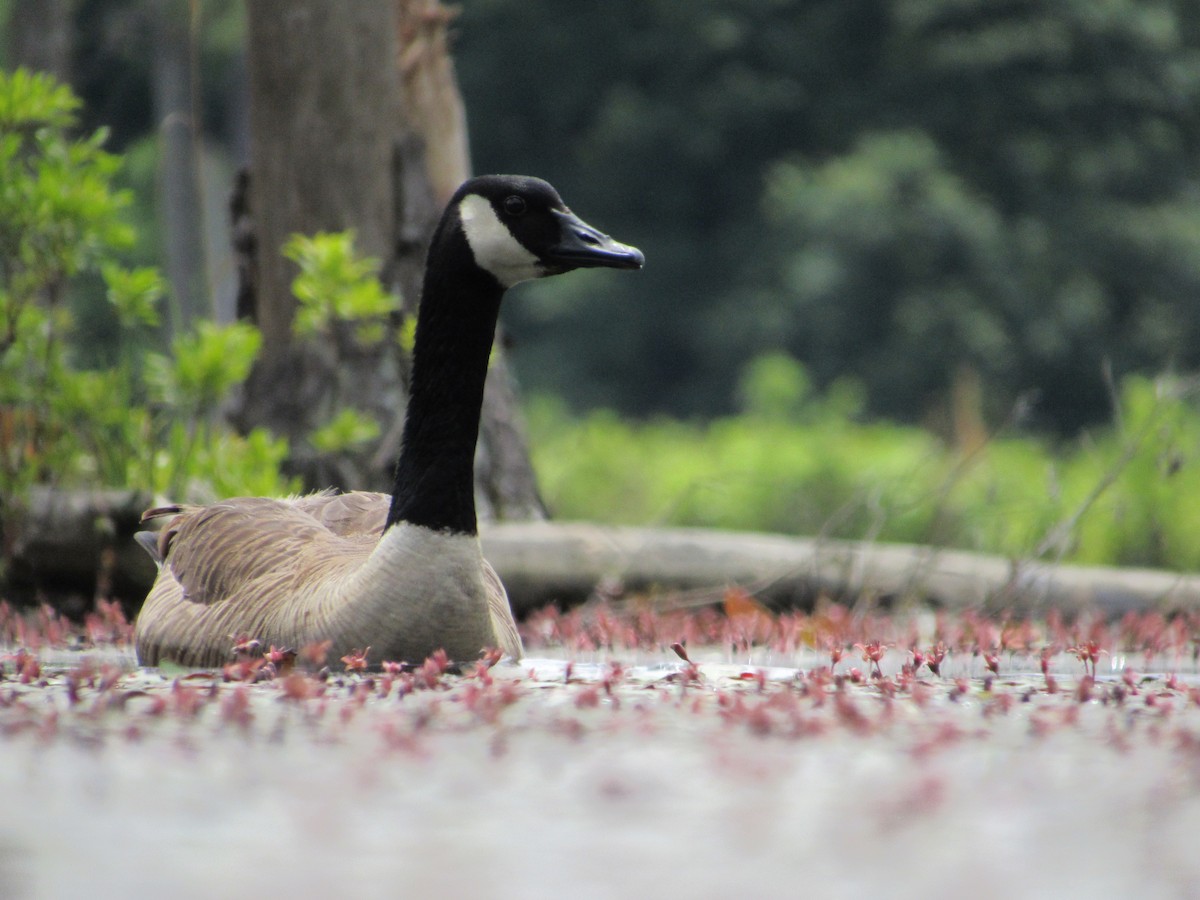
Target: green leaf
<point>135,294</point>
<point>210,361</point>
<point>348,429</point>
<point>335,285</point>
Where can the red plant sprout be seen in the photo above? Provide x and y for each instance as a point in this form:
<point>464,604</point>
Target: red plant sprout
<point>961,688</point>
<point>873,652</point>
<point>1088,652</point>
<point>758,719</point>
<point>690,674</point>
<point>186,700</point>
<point>756,676</point>
<point>850,715</point>
<point>246,669</point>
<point>934,658</point>
<point>1162,702</point>
<point>478,699</point>
<point>918,660</point>
<point>613,676</point>
<point>999,704</point>
<point>235,708</point>
<point>429,674</point>
<point>29,668</point>
<point>1046,656</point>
<point>244,645</point>
<point>991,660</point>
<point>54,629</point>
<point>750,622</point>
<point>282,658</point>
<point>73,681</point>
<point>95,702</point>
<point>315,654</point>
<point>1017,637</point>
<point>483,674</point>
<point>158,706</point>
<point>1057,629</point>
<point>588,697</point>
<point>836,650</point>
<point>297,686</point>
<point>921,693</point>
<point>490,656</point>
<point>1083,692</point>
<point>107,624</point>
<point>944,735</point>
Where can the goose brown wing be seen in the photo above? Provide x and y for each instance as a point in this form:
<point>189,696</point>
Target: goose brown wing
<point>356,512</point>
<point>215,552</point>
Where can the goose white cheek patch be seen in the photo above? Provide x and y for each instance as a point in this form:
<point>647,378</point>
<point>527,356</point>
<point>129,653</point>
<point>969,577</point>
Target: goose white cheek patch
<point>493,245</point>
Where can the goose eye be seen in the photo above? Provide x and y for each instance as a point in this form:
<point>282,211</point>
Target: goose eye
<point>514,205</point>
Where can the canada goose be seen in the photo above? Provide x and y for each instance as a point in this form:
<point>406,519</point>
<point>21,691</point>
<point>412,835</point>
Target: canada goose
<point>291,572</point>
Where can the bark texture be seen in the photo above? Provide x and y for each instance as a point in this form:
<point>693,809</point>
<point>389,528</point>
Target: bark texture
<point>40,36</point>
<point>357,122</point>
<point>181,212</point>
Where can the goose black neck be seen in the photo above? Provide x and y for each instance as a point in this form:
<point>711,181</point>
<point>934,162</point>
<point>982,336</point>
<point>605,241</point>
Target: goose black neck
<point>456,323</point>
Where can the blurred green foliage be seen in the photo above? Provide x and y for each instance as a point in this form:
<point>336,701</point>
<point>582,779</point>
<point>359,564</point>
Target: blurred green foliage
<point>147,421</point>
<point>892,190</point>
<point>336,285</point>
<point>811,466</point>
<point>346,430</point>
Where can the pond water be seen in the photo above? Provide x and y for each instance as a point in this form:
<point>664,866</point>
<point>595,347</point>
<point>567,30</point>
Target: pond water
<point>588,777</point>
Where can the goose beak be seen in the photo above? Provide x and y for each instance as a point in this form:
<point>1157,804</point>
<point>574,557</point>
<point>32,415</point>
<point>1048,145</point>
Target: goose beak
<point>581,246</point>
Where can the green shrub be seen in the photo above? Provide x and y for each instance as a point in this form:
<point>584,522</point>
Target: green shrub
<point>797,463</point>
<point>149,420</point>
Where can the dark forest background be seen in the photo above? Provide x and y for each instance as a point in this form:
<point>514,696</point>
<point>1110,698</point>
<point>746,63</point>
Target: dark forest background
<point>911,193</point>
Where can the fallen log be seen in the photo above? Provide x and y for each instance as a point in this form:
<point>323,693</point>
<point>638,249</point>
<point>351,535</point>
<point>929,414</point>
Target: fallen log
<point>564,562</point>
<point>66,540</point>
<point>67,546</point>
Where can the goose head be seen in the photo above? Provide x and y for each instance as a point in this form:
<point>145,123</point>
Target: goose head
<point>518,229</point>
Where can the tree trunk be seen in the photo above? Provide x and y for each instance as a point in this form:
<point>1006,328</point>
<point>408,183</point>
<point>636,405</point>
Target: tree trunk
<point>324,101</point>
<point>180,209</point>
<point>356,122</point>
<point>40,36</point>
<point>323,95</point>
